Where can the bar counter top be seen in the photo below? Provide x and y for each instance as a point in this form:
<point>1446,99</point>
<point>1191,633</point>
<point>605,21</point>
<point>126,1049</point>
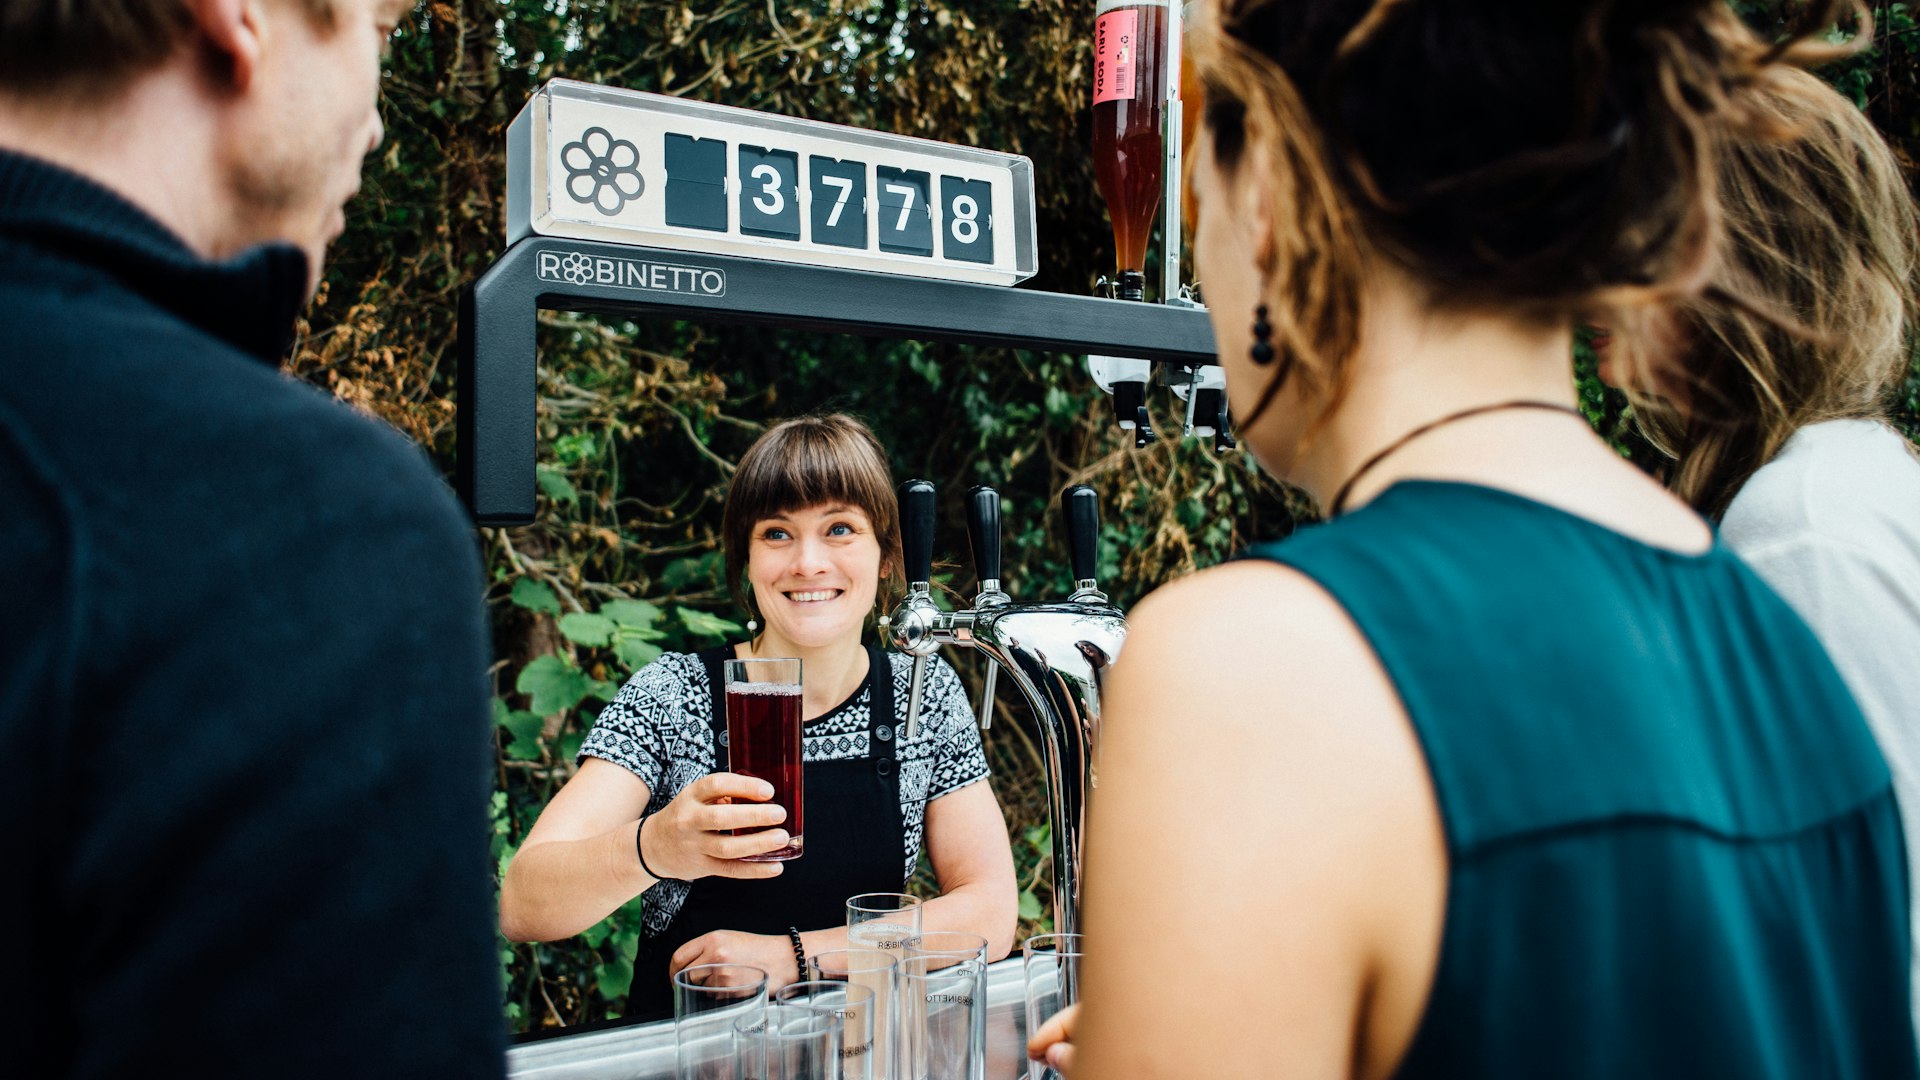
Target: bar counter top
<point>646,1052</point>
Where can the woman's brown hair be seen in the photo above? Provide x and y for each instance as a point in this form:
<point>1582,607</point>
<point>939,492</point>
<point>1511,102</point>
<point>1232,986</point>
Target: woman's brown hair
<point>1821,229</point>
<point>1542,158</point>
<point>810,461</point>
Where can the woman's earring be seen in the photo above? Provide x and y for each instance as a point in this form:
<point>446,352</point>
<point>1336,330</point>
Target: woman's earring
<point>1262,351</point>
<point>753,626</point>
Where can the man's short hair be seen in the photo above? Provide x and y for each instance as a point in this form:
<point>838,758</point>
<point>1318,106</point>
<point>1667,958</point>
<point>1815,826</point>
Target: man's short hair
<point>61,47</point>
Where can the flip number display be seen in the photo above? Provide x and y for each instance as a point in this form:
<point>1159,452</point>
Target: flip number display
<point>906,217</point>
<point>769,192</point>
<point>965,206</point>
<point>696,182</point>
<point>839,194</point>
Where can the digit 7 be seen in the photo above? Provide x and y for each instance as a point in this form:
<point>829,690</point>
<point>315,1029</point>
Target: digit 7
<point>845,184</point>
<point>906,208</point>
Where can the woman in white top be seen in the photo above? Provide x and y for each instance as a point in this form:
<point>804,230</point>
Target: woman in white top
<point>1779,430</point>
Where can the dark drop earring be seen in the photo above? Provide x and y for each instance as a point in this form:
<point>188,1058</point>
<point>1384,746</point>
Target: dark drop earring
<point>1262,351</point>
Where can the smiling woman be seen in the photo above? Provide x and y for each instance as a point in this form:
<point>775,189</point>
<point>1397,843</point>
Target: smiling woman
<point>811,529</point>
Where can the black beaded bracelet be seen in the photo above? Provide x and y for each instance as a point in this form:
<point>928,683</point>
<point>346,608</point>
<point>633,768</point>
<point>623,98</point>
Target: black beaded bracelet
<point>641,853</point>
<point>799,952</point>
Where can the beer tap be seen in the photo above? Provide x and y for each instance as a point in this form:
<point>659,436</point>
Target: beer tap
<point>1057,653</point>
<point>983,535</point>
<point>912,624</point>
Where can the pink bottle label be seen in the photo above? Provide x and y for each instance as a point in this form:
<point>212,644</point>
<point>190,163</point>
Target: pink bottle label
<point>1116,41</point>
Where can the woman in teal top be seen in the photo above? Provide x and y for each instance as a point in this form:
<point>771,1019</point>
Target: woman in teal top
<point>1508,770</point>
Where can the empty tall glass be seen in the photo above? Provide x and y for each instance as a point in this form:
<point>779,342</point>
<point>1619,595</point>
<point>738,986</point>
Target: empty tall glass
<point>855,1007</point>
<point>949,947</point>
<point>943,1020</point>
<point>875,971</point>
<point>1052,967</point>
<point>707,1000</point>
<point>787,1042</point>
<point>882,920</point>
<point>955,949</point>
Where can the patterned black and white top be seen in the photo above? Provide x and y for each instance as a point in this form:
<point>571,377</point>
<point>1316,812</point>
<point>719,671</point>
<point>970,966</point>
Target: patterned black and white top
<point>659,728</point>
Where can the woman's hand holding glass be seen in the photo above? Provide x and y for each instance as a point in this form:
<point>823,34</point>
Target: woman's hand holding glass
<point>692,836</point>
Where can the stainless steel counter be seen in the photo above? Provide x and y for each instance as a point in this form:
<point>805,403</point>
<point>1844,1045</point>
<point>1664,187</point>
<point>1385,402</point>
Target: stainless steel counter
<point>645,1051</point>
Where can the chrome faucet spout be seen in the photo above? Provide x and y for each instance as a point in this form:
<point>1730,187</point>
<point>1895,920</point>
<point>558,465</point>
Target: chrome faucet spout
<point>1058,655</point>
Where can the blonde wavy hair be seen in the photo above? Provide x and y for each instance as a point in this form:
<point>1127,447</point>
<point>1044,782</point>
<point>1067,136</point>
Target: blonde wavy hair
<point>1810,314</point>
<point>1546,159</point>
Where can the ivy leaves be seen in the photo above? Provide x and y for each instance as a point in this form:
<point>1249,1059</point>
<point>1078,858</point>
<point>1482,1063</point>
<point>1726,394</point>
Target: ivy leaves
<point>627,632</point>
<point>624,626</point>
<point>554,684</point>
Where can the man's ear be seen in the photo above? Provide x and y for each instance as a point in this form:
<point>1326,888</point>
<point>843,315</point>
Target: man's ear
<point>232,34</point>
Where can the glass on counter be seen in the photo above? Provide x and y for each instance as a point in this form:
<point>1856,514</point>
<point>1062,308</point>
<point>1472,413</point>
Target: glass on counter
<point>943,1020</point>
<point>877,972</point>
<point>708,999</point>
<point>787,1042</point>
<point>1051,965</point>
<point>857,1010</point>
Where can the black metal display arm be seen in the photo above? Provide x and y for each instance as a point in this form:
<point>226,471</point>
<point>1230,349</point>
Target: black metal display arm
<point>495,421</point>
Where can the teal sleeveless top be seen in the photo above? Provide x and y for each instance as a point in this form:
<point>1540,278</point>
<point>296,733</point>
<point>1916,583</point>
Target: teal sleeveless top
<point>1673,846</point>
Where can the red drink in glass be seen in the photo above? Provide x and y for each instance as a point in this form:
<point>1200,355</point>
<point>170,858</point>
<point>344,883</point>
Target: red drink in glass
<point>763,741</point>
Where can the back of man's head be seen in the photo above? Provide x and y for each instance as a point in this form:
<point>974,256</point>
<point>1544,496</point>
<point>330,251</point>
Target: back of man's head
<point>232,122</point>
<point>57,48</point>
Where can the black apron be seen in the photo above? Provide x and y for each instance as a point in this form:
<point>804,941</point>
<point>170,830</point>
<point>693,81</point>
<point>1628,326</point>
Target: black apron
<point>855,843</point>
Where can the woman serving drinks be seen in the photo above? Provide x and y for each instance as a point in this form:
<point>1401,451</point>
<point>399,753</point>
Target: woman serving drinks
<point>811,529</point>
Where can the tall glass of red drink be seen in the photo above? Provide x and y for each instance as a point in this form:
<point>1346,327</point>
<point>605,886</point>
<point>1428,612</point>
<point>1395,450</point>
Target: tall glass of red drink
<point>763,739</point>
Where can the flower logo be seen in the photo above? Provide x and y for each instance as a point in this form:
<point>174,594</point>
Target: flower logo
<point>602,170</point>
<point>577,268</point>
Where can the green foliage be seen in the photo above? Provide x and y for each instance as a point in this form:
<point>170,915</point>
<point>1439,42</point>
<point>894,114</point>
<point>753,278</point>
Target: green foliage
<point>535,596</point>
<point>523,727</point>
<point>552,683</point>
<point>639,424</point>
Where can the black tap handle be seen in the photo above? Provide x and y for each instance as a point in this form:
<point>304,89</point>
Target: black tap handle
<point>916,528</point>
<point>1082,508</point>
<point>983,531</point>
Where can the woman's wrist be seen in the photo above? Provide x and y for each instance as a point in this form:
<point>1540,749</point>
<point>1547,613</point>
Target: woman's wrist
<point>799,953</point>
<point>652,870</point>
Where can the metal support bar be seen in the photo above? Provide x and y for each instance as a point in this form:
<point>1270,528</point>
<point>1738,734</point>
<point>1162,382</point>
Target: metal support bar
<point>495,422</point>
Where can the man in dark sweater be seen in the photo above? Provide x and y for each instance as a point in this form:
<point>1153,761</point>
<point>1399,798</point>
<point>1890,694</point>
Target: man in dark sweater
<point>242,665</point>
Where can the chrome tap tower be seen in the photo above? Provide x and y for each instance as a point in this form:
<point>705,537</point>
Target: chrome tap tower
<point>1056,652</point>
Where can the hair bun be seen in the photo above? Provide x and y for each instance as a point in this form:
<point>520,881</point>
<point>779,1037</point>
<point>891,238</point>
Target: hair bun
<point>1526,151</point>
